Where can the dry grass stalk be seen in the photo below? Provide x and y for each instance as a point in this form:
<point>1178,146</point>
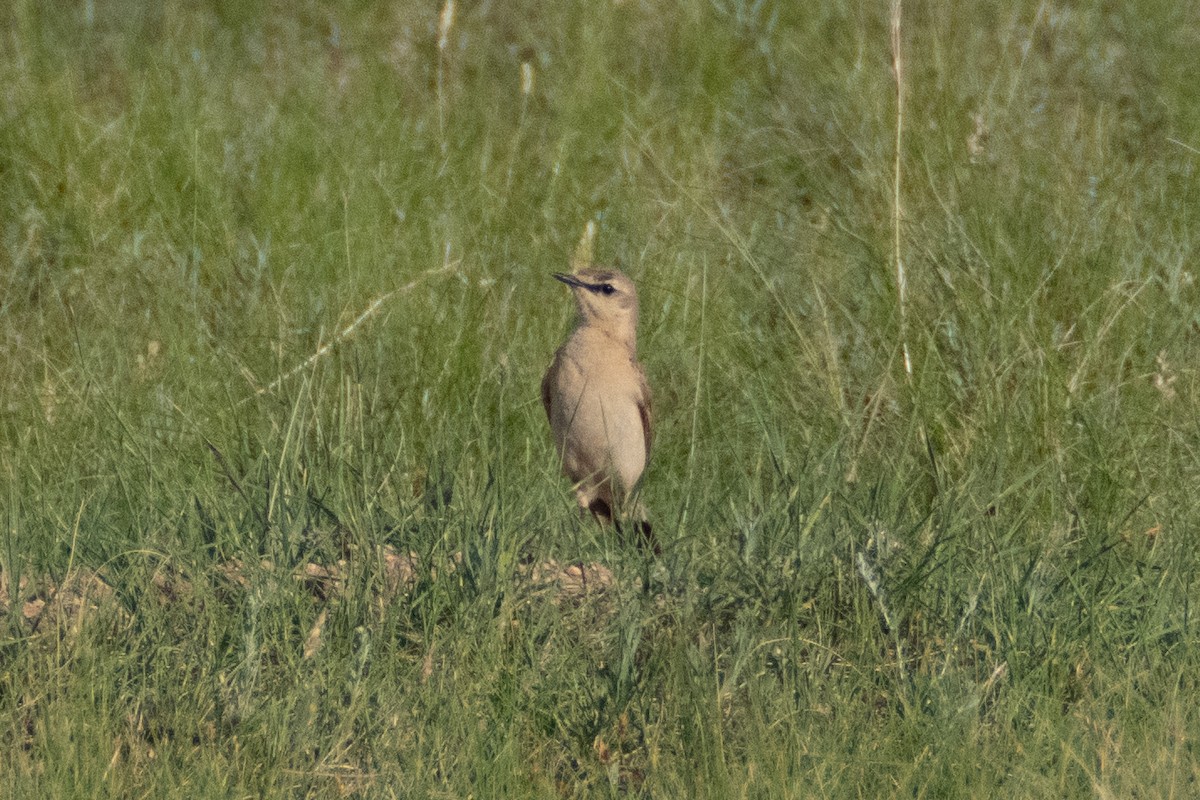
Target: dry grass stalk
<point>526,80</point>
<point>445,24</point>
<point>348,331</point>
<point>897,208</point>
<point>586,248</point>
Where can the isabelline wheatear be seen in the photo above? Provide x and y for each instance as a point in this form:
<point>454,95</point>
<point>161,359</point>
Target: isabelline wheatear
<point>597,400</point>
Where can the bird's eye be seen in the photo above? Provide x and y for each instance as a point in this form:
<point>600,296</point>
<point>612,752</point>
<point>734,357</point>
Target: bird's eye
<point>607,288</point>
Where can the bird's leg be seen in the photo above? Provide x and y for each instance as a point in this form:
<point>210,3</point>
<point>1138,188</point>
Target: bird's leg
<point>601,511</point>
<point>644,532</point>
<point>622,516</point>
<point>634,519</point>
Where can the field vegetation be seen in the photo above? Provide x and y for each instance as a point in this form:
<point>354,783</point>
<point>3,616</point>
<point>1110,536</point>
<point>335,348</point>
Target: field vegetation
<point>279,511</point>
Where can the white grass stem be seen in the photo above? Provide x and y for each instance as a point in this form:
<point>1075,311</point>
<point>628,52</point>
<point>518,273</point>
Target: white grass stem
<point>445,24</point>
<point>348,331</point>
<point>691,462</point>
<point>897,208</point>
<point>1184,145</point>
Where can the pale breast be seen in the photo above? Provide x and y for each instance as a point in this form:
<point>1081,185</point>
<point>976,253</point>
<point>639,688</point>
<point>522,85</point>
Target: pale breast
<point>596,419</point>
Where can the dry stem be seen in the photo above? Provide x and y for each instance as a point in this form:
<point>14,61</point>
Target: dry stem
<point>897,209</point>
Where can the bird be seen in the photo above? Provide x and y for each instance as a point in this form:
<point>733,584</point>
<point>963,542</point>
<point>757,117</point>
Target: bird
<point>598,402</point>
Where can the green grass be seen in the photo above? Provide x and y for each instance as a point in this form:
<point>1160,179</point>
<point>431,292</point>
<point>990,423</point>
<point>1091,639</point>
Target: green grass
<point>977,582</point>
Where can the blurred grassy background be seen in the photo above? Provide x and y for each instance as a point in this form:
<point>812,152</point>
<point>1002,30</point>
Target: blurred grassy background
<point>973,583</point>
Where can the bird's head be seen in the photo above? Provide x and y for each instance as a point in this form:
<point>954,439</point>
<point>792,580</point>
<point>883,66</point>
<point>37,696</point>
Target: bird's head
<point>606,297</point>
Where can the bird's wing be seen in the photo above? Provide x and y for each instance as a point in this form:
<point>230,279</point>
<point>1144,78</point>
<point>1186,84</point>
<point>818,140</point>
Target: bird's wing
<point>548,383</point>
<point>644,406</point>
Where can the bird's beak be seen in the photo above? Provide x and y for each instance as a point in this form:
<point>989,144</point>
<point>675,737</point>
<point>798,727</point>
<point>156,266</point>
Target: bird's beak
<point>570,280</point>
